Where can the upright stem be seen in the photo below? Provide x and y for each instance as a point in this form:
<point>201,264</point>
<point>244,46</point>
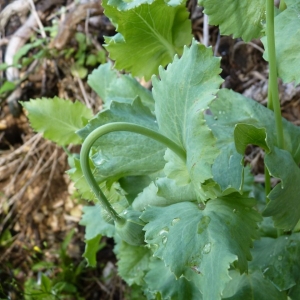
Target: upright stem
<point>273,73</point>
<point>118,126</point>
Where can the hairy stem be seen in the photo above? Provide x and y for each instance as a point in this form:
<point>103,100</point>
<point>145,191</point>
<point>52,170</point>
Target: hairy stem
<point>273,73</point>
<point>118,126</point>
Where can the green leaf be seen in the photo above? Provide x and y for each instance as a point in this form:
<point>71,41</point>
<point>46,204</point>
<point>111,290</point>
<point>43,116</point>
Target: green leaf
<point>241,18</point>
<point>294,292</point>
<point>24,49</point>
<point>133,263</point>
<point>176,168</point>
<point>7,86</point>
<point>284,205</point>
<point>110,85</point>
<point>78,71</point>
<point>230,109</point>
<point>161,279</point>
<point>278,260</point>
<point>120,154</point>
<point>91,249</point>
<point>57,119</point>
<point>133,185</point>
<point>287,29</point>
<point>205,241</point>
<point>181,95</point>
<point>130,4</point>
<point>245,134</point>
<point>251,286</point>
<point>146,37</point>
<point>81,185</point>
<point>163,192</point>
<point>95,224</point>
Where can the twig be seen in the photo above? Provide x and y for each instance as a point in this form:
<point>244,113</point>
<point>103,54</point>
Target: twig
<point>205,30</point>
<point>53,168</point>
<point>84,94</point>
<point>38,20</point>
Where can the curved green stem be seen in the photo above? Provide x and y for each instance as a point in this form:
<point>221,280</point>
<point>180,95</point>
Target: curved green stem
<point>273,73</point>
<point>118,126</point>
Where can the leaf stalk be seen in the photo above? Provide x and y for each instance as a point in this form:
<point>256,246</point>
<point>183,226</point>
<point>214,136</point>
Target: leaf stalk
<point>273,73</point>
<point>107,128</point>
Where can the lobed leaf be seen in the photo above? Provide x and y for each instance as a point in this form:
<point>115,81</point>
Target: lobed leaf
<point>278,260</point>
<point>57,119</point>
<point>287,29</point>
<point>112,86</point>
<point>251,286</point>
<point>131,267</point>
<point>245,134</point>
<point>230,109</point>
<point>241,18</point>
<point>91,249</point>
<point>181,95</point>
<point>94,223</point>
<point>284,198</point>
<point>126,5</point>
<point>120,154</point>
<point>206,241</point>
<point>146,38</point>
<point>160,279</point>
<point>163,192</point>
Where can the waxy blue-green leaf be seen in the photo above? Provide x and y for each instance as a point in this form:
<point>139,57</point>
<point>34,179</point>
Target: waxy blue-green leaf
<point>205,241</point>
<point>163,192</point>
<point>287,27</point>
<point>278,260</point>
<point>120,154</point>
<point>241,18</point>
<point>57,119</point>
<point>133,262</point>
<point>181,95</point>
<point>148,36</point>
<point>226,111</point>
<point>175,168</point>
<point>161,279</point>
<point>284,198</point>
<point>112,86</point>
<point>114,193</point>
<point>251,286</point>
<point>94,223</point>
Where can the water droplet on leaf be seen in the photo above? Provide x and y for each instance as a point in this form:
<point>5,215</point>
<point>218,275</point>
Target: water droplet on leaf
<point>196,269</point>
<point>176,220</point>
<point>164,231</point>
<point>206,248</point>
<point>279,257</point>
<point>164,239</point>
